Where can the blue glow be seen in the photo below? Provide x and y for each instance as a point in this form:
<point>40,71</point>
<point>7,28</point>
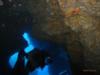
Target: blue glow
<point>26,37</point>
<point>43,71</point>
<point>25,61</point>
<point>30,46</point>
<point>39,71</point>
<point>13,59</point>
<point>33,72</point>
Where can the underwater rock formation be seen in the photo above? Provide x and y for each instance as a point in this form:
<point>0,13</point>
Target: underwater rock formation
<point>83,17</point>
<point>74,23</point>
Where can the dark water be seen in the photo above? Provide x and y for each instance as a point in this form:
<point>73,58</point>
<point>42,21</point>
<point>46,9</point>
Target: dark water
<point>15,20</point>
<point>60,64</point>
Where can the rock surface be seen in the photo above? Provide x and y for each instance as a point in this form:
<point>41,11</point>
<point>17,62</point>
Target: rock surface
<point>83,17</point>
<point>74,23</point>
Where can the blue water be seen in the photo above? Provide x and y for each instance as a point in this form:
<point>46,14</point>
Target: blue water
<point>13,59</point>
<point>60,64</point>
<point>30,47</point>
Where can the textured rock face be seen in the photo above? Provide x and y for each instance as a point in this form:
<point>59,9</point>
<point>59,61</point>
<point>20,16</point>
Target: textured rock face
<point>74,23</point>
<point>83,16</point>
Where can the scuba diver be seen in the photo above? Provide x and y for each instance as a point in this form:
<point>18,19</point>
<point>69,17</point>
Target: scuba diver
<point>36,58</point>
<point>14,21</point>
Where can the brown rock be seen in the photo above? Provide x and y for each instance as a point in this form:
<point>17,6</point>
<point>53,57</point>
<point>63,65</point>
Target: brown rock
<point>74,23</point>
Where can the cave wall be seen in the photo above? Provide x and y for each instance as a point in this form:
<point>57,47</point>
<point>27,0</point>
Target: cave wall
<point>74,23</point>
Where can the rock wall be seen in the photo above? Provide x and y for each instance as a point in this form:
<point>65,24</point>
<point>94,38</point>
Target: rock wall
<point>74,23</point>
<point>83,17</point>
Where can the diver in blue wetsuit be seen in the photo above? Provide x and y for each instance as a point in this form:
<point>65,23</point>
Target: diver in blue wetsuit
<point>36,58</point>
